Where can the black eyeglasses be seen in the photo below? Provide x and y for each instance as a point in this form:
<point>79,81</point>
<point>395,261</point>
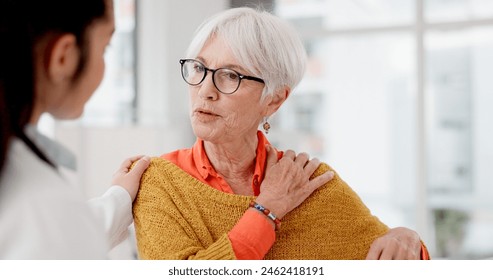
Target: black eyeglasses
<point>225,80</point>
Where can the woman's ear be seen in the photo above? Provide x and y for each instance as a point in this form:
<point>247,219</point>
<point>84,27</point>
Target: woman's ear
<point>277,99</point>
<point>62,58</point>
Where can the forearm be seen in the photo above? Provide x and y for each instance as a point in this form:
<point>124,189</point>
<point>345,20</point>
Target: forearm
<point>252,237</point>
<point>114,211</point>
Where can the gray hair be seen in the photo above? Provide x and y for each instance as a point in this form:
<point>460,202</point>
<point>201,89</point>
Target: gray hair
<point>267,46</point>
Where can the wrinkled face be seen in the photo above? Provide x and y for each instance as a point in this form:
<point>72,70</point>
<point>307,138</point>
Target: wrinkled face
<point>221,118</point>
<point>71,103</point>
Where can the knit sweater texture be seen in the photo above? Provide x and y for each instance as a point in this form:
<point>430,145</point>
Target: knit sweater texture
<point>178,217</point>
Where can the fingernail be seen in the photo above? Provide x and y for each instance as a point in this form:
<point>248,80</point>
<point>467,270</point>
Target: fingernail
<point>146,158</point>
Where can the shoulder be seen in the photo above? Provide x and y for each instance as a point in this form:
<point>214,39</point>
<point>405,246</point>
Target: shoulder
<point>161,168</point>
<point>161,177</point>
<point>163,173</point>
<point>339,193</point>
<point>337,200</point>
<point>177,155</point>
<point>337,183</point>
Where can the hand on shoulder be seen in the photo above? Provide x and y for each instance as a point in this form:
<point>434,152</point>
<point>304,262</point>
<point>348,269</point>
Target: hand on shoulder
<point>287,181</point>
<point>128,178</point>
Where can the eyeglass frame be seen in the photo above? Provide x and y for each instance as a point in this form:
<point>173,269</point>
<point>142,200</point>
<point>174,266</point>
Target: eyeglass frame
<point>241,76</point>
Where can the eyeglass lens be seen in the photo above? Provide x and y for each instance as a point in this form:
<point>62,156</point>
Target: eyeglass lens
<point>226,80</point>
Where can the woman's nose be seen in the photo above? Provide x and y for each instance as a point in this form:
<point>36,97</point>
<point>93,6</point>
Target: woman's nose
<point>207,89</point>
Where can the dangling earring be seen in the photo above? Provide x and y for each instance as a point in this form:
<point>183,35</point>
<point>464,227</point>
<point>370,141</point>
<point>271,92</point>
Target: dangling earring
<point>266,126</point>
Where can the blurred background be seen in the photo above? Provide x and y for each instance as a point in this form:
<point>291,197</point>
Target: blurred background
<point>397,98</point>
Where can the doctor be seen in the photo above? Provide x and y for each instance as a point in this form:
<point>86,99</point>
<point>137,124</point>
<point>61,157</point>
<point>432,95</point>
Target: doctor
<point>51,61</point>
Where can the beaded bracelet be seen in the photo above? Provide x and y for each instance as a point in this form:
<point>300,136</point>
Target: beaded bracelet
<point>268,213</point>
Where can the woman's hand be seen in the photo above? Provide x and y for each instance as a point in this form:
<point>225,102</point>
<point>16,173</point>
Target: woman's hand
<point>397,244</point>
<point>287,181</point>
<point>130,179</point>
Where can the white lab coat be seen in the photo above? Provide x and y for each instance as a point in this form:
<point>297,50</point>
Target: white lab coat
<point>43,217</point>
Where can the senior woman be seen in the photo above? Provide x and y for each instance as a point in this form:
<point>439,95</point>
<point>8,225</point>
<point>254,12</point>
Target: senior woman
<point>234,196</point>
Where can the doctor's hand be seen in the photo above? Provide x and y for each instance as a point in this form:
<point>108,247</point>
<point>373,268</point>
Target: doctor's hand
<point>130,179</point>
<point>397,244</point>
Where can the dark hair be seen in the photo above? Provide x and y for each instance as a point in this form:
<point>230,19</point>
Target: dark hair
<point>23,24</point>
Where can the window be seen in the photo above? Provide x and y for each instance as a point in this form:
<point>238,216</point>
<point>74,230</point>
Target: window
<point>114,101</point>
<point>396,99</point>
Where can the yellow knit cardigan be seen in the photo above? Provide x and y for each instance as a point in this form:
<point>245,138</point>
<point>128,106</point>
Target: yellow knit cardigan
<point>178,217</point>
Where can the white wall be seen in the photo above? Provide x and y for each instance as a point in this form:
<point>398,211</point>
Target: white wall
<point>164,31</point>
